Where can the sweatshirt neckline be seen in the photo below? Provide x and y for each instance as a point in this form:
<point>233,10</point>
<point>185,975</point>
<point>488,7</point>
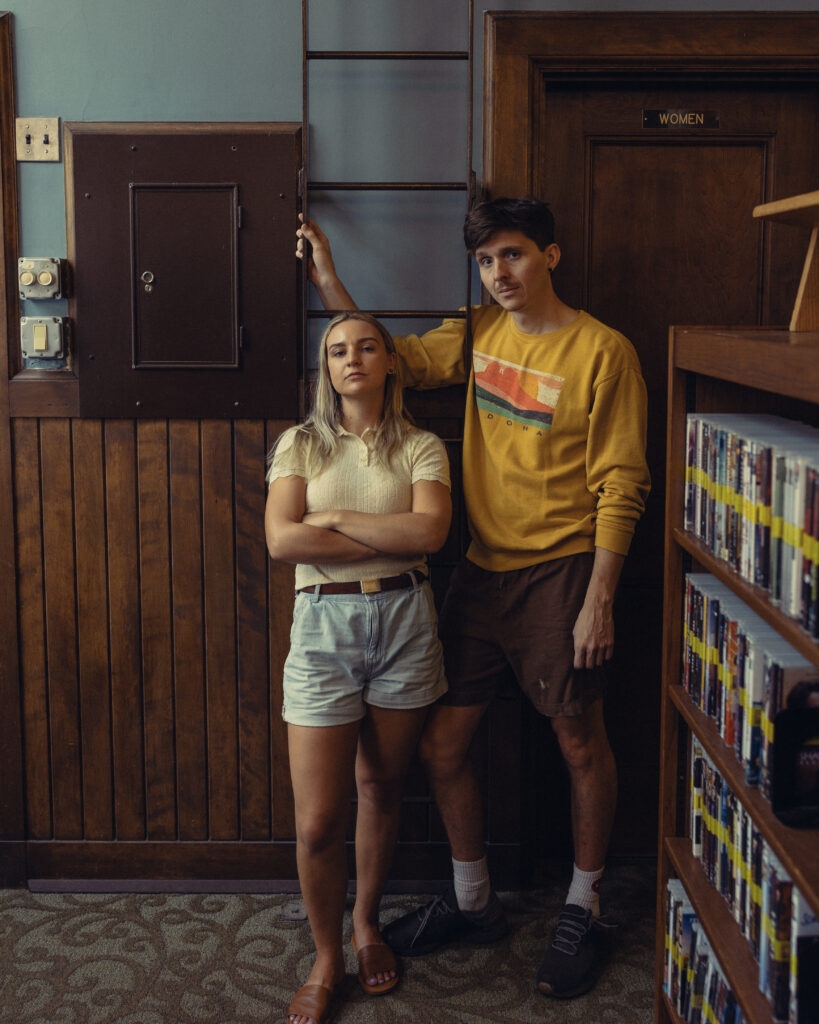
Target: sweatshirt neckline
<point>548,335</point>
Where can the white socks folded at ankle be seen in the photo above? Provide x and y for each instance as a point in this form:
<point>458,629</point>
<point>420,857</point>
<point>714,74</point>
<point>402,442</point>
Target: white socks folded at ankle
<point>472,888</point>
<point>583,891</point>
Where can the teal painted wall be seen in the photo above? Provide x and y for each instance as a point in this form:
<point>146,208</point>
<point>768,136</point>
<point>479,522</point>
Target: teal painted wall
<point>206,60</point>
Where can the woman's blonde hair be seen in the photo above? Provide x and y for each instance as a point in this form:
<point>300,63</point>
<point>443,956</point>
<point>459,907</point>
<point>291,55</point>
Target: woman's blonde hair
<point>323,423</point>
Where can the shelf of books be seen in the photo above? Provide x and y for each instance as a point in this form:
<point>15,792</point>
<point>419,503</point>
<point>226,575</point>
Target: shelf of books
<point>738,885</point>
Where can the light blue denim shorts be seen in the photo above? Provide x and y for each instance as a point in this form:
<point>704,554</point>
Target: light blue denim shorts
<point>349,650</point>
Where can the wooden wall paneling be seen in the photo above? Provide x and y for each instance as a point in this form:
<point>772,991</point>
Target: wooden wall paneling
<point>220,628</point>
<point>188,638</point>
<point>281,595</point>
<point>12,813</point>
<point>124,631</point>
<point>157,628</point>
<point>61,627</point>
<point>31,619</point>
<point>9,210</point>
<point>251,613</point>
<point>92,628</point>
<point>182,860</point>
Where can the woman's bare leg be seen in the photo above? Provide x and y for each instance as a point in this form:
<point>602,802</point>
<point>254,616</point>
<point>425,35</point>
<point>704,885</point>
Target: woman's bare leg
<point>321,768</point>
<point>386,744</point>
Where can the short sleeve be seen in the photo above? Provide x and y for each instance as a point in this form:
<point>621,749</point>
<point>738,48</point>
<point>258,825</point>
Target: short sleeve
<point>429,459</point>
<point>290,456</point>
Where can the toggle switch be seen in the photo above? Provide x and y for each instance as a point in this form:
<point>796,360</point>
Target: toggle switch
<point>40,338</point>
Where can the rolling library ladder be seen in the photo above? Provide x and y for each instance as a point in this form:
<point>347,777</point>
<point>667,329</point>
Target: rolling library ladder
<point>467,186</point>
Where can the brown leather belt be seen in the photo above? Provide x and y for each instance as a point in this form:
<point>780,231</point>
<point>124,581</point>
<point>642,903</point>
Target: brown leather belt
<point>374,586</point>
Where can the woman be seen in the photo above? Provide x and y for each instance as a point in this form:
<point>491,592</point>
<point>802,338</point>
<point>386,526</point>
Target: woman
<point>357,496</point>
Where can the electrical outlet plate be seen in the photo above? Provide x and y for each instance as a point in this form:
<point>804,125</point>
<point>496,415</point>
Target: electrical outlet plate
<point>38,138</point>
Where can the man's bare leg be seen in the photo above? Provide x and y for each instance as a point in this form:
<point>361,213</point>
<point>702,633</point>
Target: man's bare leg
<point>593,776</point>
<point>572,960</point>
<point>445,752</point>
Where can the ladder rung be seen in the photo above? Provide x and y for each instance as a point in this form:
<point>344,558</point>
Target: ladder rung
<point>387,55</point>
<point>387,186</point>
<point>404,314</point>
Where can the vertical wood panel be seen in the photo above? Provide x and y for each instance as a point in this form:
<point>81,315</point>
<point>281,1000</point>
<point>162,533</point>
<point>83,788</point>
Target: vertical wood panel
<point>12,803</point>
<point>92,629</point>
<point>252,662</point>
<point>220,628</point>
<point>31,617</point>
<point>61,642</point>
<point>281,594</point>
<point>189,669</point>
<point>123,598</point>
<point>157,629</point>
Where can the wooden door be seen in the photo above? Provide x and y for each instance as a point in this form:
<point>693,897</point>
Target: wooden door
<point>653,137</point>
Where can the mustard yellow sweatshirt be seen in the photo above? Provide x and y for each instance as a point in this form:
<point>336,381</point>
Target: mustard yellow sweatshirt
<point>554,434</point>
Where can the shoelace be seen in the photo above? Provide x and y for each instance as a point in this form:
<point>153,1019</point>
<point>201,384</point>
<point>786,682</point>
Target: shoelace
<point>438,908</point>
<point>570,932</point>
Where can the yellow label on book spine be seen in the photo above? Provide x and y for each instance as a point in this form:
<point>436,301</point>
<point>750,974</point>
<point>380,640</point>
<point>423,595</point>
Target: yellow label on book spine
<point>780,948</point>
<point>791,534</point>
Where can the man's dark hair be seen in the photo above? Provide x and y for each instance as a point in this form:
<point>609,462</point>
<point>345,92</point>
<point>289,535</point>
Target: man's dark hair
<point>529,216</point>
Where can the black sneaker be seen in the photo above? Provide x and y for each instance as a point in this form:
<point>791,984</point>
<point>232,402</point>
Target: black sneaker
<point>571,964</point>
<point>440,922</point>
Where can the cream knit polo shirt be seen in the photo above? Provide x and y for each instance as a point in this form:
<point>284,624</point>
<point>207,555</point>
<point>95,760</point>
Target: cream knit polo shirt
<point>357,480</point>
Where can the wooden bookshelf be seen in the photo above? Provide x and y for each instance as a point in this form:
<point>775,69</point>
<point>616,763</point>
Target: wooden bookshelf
<point>741,971</point>
<point>718,369</point>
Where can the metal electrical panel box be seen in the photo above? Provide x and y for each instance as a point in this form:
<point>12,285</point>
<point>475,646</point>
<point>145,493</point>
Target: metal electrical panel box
<point>40,277</point>
<point>185,297</point>
<point>42,337</point>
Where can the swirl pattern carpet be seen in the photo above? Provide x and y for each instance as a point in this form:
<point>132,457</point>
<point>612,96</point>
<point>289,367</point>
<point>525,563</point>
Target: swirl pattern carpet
<point>129,958</point>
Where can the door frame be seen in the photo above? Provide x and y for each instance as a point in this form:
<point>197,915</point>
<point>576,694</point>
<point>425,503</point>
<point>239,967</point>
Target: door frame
<point>12,811</point>
<point>520,46</point>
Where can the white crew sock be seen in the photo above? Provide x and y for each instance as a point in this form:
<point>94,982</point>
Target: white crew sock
<point>471,878</point>
<point>583,891</point>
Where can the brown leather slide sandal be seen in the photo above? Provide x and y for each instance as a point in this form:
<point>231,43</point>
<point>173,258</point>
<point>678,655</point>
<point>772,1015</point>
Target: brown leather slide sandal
<point>372,961</point>
<point>313,1003</point>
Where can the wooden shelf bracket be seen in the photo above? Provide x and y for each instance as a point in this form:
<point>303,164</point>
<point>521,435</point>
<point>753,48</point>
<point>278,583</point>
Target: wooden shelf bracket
<point>802,210</point>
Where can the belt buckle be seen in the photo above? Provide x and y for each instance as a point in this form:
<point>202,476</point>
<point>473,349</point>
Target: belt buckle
<point>371,586</point>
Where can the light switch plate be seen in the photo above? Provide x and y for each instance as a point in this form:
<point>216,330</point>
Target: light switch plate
<point>38,138</point>
<point>42,337</point>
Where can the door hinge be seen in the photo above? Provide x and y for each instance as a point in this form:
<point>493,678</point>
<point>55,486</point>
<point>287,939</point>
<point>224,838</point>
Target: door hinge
<point>240,213</point>
<point>241,338</point>
<point>301,183</point>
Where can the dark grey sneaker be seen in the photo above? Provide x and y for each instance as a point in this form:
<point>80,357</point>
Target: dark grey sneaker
<point>440,922</point>
<point>572,962</point>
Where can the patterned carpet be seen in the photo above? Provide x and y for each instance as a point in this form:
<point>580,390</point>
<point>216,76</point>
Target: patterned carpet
<point>237,959</point>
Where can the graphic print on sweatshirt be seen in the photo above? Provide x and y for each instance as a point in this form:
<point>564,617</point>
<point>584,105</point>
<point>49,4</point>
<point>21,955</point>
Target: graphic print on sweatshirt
<point>524,396</point>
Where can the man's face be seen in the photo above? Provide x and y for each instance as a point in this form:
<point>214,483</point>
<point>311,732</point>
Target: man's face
<point>515,272</point>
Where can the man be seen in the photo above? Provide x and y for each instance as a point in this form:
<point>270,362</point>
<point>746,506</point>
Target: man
<point>555,480</point>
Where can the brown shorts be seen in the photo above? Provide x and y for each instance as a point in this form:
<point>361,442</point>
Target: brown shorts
<point>518,624</point>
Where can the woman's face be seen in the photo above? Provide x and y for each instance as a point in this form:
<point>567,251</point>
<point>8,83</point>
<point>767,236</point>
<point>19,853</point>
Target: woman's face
<point>357,359</point>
